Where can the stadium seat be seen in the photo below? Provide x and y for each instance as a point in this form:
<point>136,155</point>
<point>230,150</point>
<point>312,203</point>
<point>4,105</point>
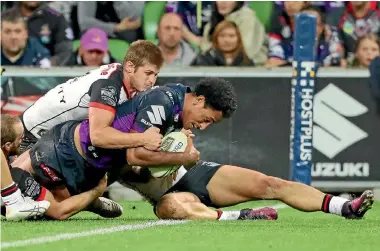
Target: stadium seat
<point>152,14</point>
<point>76,44</point>
<point>117,47</point>
<point>263,11</point>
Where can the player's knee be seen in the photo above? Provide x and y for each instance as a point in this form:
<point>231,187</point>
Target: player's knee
<point>169,207</point>
<point>274,186</point>
<point>268,187</point>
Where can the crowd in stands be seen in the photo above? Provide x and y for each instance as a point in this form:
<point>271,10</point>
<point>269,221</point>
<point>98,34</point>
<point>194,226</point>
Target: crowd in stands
<point>230,33</point>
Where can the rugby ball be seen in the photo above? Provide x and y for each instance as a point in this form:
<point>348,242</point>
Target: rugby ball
<point>172,142</point>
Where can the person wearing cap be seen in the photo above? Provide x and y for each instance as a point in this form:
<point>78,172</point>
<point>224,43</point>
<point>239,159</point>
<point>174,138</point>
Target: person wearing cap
<point>93,49</point>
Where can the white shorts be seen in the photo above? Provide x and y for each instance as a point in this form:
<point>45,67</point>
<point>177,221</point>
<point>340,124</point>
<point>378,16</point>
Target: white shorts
<point>153,190</point>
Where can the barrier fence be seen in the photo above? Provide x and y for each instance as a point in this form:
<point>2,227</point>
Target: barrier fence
<point>346,140</point>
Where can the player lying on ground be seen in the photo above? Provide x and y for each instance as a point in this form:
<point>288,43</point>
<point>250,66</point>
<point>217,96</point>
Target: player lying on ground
<point>17,206</point>
<point>95,96</point>
<point>209,184</point>
<point>65,156</point>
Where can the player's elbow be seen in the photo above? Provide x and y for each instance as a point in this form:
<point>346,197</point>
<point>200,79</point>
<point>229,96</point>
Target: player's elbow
<point>96,137</point>
<point>134,157</point>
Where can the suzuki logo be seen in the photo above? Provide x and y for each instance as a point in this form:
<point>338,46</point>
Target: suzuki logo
<point>333,132</point>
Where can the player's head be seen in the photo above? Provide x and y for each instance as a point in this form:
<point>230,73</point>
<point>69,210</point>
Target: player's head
<point>12,132</point>
<point>212,100</point>
<point>141,65</point>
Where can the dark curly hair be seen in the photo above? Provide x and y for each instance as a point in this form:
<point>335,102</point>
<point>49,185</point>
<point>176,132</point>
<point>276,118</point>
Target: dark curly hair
<point>219,95</point>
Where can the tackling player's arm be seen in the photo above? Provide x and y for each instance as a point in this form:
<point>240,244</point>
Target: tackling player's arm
<point>104,96</point>
<point>147,117</point>
<point>143,157</point>
<point>61,210</point>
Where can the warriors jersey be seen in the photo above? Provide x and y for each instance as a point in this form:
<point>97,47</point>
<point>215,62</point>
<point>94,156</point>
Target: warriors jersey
<point>102,88</point>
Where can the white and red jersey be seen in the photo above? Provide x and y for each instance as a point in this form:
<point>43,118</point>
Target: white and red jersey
<point>102,88</point>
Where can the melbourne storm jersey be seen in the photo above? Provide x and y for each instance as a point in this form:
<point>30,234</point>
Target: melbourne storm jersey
<point>102,88</point>
<point>160,107</point>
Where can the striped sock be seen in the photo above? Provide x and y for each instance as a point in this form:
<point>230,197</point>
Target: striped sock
<point>333,204</point>
<point>228,215</point>
<point>11,195</point>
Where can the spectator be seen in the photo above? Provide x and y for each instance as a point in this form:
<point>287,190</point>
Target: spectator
<point>360,19</point>
<point>120,19</point>
<point>64,8</point>
<point>252,30</point>
<point>281,34</point>
<point>175,51</point>
<point>227,48</point>
<point>50,27</point>
<point>16,47</point>
<point>367,48</point>
<point>329,51</point>
<point>188,12</point>
<point>93,49</point>
<point>331,10</point>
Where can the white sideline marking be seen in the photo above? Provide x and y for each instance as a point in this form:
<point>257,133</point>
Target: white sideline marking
<point>100,231</point>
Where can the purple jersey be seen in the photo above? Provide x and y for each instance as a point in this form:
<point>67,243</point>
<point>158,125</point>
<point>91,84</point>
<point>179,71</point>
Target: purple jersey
<point>160,107</point>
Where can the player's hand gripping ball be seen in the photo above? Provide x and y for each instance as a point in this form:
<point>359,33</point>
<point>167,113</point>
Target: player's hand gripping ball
<point>172,142</point>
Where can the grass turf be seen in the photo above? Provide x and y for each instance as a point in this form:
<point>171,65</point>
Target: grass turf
<point>293,230</point>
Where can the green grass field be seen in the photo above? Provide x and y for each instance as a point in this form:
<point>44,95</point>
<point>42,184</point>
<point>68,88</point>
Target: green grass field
<point>292,231</point>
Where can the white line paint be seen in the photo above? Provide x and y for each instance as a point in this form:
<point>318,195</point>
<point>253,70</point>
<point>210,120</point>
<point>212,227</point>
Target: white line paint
<point>100,231</point>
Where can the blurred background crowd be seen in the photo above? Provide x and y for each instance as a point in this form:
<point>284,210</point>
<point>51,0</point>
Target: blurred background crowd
<point>230,33</point>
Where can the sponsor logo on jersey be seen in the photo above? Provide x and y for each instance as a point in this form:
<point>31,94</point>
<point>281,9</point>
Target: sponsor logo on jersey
<point>108,94</point>
<point>49,173</point>
<point>146,122</point>
<point>157,115</point>
<point>32,188</point>
<point>211,164</point>
<point>176,118</point>
<point>170,95</point>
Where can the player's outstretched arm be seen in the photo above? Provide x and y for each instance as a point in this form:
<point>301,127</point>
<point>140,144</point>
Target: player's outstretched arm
<point>72,205</point>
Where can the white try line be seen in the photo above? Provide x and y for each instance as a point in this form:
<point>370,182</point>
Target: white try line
<point>99,231</point>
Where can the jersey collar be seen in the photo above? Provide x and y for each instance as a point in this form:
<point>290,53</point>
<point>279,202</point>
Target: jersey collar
<point>125,86</point>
